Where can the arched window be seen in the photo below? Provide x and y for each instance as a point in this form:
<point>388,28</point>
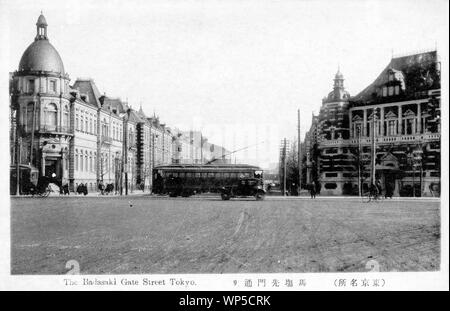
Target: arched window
<point>91,130</point>
<point>51,116</point>
<point>66,117</point>
<point>82,122</point>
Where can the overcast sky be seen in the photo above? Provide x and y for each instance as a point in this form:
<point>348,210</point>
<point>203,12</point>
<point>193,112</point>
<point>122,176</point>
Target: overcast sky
<point>237,70</point>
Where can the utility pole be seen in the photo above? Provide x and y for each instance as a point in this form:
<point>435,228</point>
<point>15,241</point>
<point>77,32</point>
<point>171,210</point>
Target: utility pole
<point>358,129</point>
<point>125,142</point>
<point>201,148</point>
<point>32,132</point>
<point>374,147</point>
<point>284,167</point>
<point>18,142</point>
<point>299,150</point>
<point>99,140</point>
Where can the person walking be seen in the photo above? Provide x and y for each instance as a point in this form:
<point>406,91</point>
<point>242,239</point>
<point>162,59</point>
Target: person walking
<point>312,190</point>
<point>379,187</point>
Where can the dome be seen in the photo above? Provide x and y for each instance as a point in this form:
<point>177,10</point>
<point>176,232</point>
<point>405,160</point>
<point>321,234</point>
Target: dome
<point>41,20</point>
<point>41,56</point>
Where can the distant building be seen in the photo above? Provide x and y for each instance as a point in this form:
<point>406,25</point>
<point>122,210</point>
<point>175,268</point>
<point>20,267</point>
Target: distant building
<point>401,109</point>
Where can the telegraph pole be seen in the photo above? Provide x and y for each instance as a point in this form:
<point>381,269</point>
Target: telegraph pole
<point>18,143</point>
<point>284,167</point>
<point>299,146</point>
<point>125,142</point>
<point>359,161</point>
<point>374,151</point>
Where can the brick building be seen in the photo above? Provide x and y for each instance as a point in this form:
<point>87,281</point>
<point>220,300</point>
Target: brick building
<point>398,116</point>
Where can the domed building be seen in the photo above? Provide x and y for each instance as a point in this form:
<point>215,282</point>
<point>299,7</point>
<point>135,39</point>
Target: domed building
<point>74,132</point>
<point>41,99</point>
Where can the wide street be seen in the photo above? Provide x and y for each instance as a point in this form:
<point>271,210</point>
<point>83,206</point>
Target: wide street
<point>143,234</point>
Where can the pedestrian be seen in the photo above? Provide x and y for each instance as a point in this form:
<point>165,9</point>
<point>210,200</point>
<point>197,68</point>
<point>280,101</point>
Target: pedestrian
<point>379,188</point>
<point>312,190</point>
<point>389,191</point>
<point>318,186</point>
<point>101,187</point>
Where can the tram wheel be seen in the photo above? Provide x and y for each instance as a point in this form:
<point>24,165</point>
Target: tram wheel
<point>259,196</point>
<point>173,194</point>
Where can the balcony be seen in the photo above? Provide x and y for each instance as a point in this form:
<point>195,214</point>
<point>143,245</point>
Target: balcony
<point>106,140</point>
<point>54,129</point>
<point>383,140</point>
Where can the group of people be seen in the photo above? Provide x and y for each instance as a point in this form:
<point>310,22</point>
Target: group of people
<point>82,188</point>
<point>109,188</point>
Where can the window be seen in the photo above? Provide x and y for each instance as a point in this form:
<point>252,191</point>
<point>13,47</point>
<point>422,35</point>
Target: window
<point>330,186</point>
<point>66,117</point>
<point>409,126</point>
<point>81,161</point>
<point>53,86</point>
<point>391,91</point>
<point>30,86</point>
<point>76,160</point>
<point>82,123</point>
<point>77,123</point>
<point>51,116</point>
<point>30,109</point>
<point>330,174</point>
<point>384,91</point>
<point>391,128</point>
<point>397,90</point>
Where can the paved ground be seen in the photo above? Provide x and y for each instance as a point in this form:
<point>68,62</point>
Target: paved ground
<point>207,235</point>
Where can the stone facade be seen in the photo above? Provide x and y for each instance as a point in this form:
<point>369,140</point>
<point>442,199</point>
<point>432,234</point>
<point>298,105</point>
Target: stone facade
<point>77,133</point>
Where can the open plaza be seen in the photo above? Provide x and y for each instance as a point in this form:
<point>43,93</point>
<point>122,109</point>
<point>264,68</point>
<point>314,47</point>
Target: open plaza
<point>203,234</point>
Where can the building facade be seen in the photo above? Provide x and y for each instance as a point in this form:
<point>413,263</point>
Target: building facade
<point>390,132</point>
<point>78,134</point>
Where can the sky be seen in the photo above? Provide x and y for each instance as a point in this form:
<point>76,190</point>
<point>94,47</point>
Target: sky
<point>236,70</point>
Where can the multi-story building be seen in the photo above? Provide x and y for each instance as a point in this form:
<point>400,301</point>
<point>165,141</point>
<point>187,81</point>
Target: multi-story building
<point>76,132</point>
<point>391,128</point>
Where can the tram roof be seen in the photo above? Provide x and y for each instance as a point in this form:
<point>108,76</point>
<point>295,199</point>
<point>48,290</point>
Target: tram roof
<point>208,166</point>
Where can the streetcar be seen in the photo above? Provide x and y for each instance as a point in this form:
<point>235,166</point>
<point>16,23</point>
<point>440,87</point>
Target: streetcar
<point>230,180</point>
